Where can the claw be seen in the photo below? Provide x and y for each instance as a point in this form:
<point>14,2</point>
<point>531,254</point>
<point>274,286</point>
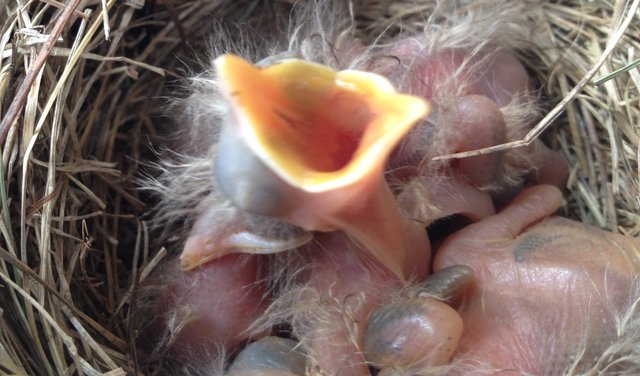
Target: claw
<point>308,145</point>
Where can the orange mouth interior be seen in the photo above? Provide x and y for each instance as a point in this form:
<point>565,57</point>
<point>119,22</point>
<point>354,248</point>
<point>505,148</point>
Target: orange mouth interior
<point>316,128</point>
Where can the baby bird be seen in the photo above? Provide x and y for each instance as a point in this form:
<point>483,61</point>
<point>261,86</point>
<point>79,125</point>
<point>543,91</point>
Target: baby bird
<point>320,153</point>
<point>308,145</point>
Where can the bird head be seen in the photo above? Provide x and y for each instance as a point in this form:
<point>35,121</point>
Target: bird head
<point>308,145</point>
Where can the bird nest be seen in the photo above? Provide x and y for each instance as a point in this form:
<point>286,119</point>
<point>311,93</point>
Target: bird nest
<point>79,88</point>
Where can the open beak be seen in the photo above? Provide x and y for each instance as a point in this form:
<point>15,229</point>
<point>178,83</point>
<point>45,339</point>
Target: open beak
<point>308,145</point>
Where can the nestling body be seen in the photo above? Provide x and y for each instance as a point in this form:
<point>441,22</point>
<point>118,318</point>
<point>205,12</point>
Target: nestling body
<point>345,267</point>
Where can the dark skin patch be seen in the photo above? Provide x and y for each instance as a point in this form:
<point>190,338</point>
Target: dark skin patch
<point>527,244</point>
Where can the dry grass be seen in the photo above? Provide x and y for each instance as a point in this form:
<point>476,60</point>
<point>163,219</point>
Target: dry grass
<point>73,246</point>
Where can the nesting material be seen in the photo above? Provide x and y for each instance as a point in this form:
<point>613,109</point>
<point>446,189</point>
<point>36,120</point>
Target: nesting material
<point>77,134</point>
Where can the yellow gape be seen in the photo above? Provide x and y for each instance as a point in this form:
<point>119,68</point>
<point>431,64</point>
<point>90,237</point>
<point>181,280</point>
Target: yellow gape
<point>317,129</point>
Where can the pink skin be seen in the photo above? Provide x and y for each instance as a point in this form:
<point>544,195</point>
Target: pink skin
<point>551,167</point>
<point>524,264</point>
<point>501,77</point>
<point>414,332</point>
<point>467,101</point>
<point>217,302</point>
<point>479,124</point>
<point>352,288</point>
<point>540,284</point>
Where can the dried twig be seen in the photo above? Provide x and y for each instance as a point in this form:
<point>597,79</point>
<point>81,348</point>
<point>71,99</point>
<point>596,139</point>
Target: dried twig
<point>11,117</point>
